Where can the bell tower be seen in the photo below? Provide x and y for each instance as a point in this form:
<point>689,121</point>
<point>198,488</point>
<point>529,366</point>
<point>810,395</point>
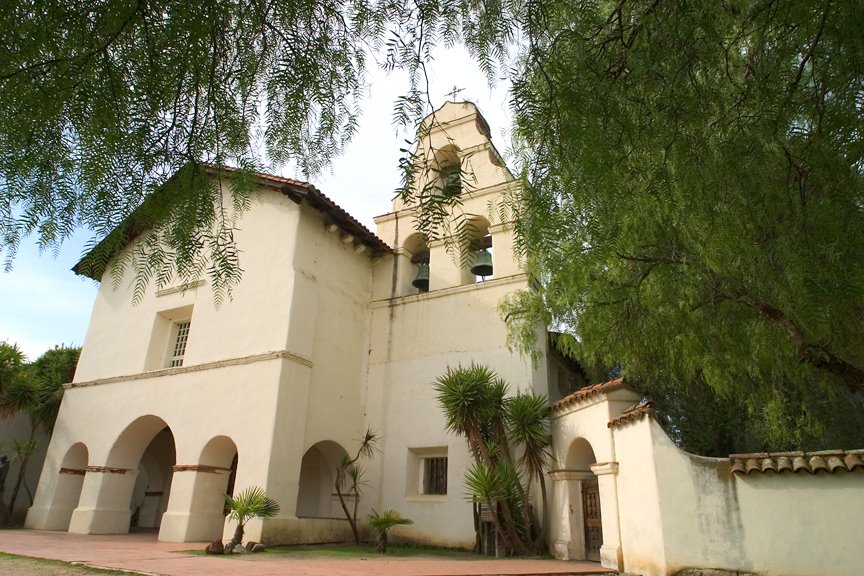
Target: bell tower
<point>435,305</point>
<point>455,157</point>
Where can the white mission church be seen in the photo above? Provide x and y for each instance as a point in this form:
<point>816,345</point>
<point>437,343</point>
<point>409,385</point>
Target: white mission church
<point>333,330</point>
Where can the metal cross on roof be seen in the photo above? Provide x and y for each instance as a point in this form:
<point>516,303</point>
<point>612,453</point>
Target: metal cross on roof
<point>455,92</point>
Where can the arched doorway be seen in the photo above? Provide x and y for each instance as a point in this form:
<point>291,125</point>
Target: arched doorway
<point>586,530</point>
<point>136,476</point>
<point>153,483</point>
<point>317,480</point>
<point>196,509</point>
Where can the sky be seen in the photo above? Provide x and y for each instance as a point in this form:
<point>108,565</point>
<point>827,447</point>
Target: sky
<point>44,304</point>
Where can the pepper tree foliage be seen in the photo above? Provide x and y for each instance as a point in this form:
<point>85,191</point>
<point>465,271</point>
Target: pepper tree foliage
<point>102,101</point>
<point>695,211</point>
<point>692,208</point>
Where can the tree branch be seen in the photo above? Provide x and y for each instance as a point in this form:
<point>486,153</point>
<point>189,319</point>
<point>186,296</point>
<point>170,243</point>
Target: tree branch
<point>807,352</point>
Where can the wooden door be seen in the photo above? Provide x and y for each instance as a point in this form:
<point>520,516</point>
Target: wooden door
<point>591,519</point>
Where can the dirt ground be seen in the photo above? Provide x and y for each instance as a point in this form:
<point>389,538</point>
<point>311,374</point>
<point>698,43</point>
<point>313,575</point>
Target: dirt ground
<point>22,566</point>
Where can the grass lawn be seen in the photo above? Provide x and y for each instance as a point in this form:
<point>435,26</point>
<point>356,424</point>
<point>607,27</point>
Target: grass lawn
<point>370,551</point>
<point>13,565</point>
<point>365,551</point>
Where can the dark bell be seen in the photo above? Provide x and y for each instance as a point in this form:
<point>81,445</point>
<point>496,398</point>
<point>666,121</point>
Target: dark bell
<point>421,282</point>
<point>482,264</point>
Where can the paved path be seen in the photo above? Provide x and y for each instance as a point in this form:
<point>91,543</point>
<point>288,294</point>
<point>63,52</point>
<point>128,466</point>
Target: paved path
<point>141,553</point>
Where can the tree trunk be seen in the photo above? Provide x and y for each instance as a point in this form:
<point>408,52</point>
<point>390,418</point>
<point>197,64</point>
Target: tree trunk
<point>511,534</point>
<point>351,521</point>
<point>238,537</point>
<point>25,459</point>
<point>15,490</point>
<point>5,516</point>
<point>478,541</point>
<point>544,526</point>
<point>499,530</point>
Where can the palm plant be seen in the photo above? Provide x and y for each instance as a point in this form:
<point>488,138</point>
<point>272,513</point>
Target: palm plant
<point>528,427</point>
<point>474,401</point>
<point>382,523</point>
<point>250,503</point>
<point>349,478</point>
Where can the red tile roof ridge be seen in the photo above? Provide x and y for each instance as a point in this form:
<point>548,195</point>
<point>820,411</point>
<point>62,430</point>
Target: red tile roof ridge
<point>129,228</point>
<point>587,392</point>
<point>633,413</point>
<point>798,461</point>
<point>328,206</point>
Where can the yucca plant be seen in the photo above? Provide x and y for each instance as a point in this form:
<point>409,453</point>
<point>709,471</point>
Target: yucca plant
<point>382,523</point>
<point>473,400</point>
<point>349,478</point>
<point>528,427</point>
<point>250,503</point>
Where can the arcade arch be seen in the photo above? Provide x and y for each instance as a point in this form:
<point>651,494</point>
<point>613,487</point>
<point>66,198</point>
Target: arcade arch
<point>315,498</point>
<point>581,492</point>
<point>67,491</point>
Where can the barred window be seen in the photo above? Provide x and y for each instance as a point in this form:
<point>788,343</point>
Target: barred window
<point>435,475</point>
<point>181,331</point>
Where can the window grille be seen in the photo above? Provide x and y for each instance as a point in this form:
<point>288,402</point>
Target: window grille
<point>182,330</point>
<point>435,475</point>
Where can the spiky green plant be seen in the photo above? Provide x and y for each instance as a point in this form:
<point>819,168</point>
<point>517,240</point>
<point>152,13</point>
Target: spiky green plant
<point>528,427</point>
<point>473,401</point>
<point>349,478</point>
<point>250,503</point>
<point>33,389</point>
<point>382,523</point>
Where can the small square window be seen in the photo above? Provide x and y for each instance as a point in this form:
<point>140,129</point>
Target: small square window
<point>181,336</point>
<point>427,471</point>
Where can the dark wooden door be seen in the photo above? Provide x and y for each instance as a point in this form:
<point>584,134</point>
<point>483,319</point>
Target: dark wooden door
<point>591,519</point>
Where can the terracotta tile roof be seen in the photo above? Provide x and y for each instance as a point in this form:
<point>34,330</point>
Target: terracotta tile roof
<point>296,190</point>
<point>812,462</point>
<point>633,413</point>
<point>300,191</point>
<point>587,392</point>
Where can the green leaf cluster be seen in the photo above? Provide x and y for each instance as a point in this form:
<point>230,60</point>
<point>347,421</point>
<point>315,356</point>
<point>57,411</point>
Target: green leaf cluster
<point>382,524</point>
<point>252,502</point>
<point>102,102</point>
<point>35,390</point>
<point>509,438</point>
<point>693,207</point>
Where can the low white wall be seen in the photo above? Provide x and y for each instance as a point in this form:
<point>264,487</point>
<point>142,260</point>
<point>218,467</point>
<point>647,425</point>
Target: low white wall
<point>639,507</point>
<point>788,524</point>
<point>305,531</point>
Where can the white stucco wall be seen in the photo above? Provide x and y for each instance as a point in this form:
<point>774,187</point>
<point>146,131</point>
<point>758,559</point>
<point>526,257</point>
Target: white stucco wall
<point>276,368</point>
<point>123,338</point>
<point>416,338</point>
<point>320,340</point>
<point>774,524</point>
<point>672,510</point>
